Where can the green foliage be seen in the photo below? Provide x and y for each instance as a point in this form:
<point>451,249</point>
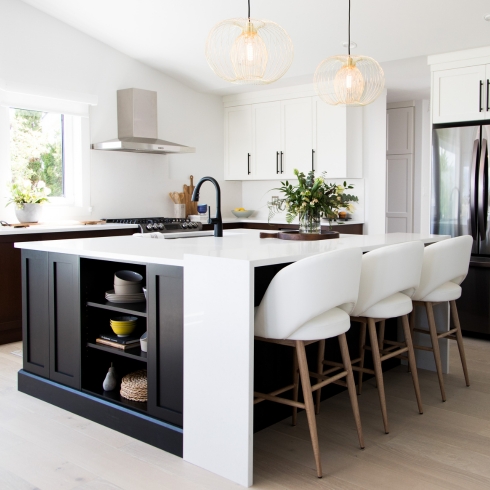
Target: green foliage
<point>26,193</point>
<point>36,156</point>
<point>312,193</point>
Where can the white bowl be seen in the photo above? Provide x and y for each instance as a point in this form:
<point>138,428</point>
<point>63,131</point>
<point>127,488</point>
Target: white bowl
<point>127,288</point>
<point>127,277</point>
<point>242,214</point>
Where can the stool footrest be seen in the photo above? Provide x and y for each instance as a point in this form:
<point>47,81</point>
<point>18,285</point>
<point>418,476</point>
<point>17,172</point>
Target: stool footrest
<point>327,380</point>
<point>363,370</point>
<point>423,347</point>
<point>284,401</point>
<point>274,393</point>
<point>393,354</point>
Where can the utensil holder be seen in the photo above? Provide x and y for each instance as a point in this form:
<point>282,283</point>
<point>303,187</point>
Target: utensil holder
<point>179,210</point>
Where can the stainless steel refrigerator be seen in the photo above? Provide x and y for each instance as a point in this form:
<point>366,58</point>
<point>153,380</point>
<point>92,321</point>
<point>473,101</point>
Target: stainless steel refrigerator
<point>459,206</point>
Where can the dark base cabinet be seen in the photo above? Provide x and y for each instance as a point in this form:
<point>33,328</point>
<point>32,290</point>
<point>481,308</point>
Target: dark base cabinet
<point>10,266</point>
<point>65,311</point>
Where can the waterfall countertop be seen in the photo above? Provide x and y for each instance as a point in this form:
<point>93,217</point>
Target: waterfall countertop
<point>239,244</point>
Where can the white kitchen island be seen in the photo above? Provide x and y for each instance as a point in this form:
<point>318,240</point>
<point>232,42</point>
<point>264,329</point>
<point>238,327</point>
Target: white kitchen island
<point>219,278</point>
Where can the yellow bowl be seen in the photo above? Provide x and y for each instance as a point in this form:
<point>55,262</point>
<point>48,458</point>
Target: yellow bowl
<point>123,330</point>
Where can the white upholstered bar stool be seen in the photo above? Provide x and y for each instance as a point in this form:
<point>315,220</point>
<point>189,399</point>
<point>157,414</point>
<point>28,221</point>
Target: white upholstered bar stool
<point>444,268</point>
<point>305,302</point>
<point>389,277</point>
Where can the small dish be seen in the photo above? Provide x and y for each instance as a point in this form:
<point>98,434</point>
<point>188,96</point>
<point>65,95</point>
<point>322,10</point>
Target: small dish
<point>144,342</point>
<point>242,214</point>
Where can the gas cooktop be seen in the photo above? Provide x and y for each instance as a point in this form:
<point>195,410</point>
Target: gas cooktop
<point>162,225</point>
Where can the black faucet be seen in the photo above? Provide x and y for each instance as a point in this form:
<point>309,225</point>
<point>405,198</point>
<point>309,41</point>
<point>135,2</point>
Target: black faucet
<point>217,221</point>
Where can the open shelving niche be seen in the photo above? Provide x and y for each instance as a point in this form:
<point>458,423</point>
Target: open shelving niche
<point>97,278</point>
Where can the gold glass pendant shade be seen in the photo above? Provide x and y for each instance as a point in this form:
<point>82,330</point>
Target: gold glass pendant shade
<point>349,80</point>
<point>246,50</point>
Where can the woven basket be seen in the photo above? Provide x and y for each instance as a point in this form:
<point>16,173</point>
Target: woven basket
<point>134,386</point>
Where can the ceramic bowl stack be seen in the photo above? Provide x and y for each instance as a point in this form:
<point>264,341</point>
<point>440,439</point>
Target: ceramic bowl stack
<point>134,386</point>
<point>123,326</point>
<point>128,288</point>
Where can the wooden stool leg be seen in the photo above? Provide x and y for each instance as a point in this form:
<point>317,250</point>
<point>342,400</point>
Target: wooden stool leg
<point>362,352</point>
<point>351,385</point>
<point>296,386</point>
<point>310,407</point>
<point>381,335</point>
<point>412,326</point>
<point>412,362</point>
<point>435,346</point>
<point>321,357</point>
<point>378,372</point>
<point>459,338</point>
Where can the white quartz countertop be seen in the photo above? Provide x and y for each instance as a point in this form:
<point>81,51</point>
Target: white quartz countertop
<point>60,228</point>
<point>239,244</point>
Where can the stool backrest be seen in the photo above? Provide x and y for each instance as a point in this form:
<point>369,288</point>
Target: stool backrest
<point>389,270</point>
<point>445,261</point>
<point>307,288</point>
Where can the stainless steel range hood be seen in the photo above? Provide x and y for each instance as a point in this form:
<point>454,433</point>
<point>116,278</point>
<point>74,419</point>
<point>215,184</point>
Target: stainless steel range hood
<point>137,125</point>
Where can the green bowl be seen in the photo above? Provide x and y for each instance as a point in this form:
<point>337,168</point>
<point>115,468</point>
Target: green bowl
<point>242,214</point>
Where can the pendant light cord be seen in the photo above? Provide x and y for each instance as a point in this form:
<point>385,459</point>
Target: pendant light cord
<point>349,22</point>
<point>249,9</point>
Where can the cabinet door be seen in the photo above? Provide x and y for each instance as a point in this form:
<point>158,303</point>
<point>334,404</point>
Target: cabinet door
<point>399,129</point>
<point>266,124</point>
<point>399,172</point>
<point>166,343</point>
<point>297,136</point>
<point>238,143</point>
<point>330,139</point>
<point>459,94</point>
<point>64,319</point>
<point>35,312</point>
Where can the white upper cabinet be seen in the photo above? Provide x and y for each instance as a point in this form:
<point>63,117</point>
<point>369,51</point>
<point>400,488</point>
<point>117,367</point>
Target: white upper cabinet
<point>266,124</point>
<point>238,143</point>
<point>399,129</point>
<point>337,140</point>
<point>459,94</point>
<point>297,136</point>
<point>291,133</point>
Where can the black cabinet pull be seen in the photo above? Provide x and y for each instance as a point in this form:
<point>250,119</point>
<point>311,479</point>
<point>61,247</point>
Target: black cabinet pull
<point>281,162</point>
<point>488,90</point>
<point>481,87</point>
<point>248,163</point>
<point>313,160</point>
<point>277,162</point>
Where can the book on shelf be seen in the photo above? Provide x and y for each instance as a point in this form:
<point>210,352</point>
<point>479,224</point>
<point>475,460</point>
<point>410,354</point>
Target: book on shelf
<point>130,339</point>
<point>116,344</point>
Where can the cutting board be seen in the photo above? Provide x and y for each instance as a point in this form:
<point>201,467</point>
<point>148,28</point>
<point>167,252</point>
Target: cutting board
<point>190,207</point>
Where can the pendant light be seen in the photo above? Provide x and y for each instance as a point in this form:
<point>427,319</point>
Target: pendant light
<point>246,50</point>
<point>349,80</point>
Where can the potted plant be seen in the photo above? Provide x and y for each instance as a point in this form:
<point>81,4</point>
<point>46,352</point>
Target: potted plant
<point>28,197</point>
<point>310,199</point>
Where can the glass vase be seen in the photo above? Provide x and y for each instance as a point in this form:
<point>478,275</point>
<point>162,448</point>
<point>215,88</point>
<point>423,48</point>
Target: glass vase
<point>309,221</point>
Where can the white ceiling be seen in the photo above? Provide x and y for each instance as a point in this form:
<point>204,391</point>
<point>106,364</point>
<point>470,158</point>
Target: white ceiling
<point>169,35</point>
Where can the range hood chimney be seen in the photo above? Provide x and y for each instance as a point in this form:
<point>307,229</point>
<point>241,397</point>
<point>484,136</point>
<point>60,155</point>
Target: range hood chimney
<point>137,125</point>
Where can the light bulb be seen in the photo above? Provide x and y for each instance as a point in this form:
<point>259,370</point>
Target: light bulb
<point>249,54</point>
<point>349,83</point>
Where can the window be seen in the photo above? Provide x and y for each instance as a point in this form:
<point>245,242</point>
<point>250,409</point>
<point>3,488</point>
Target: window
<point>37,150</point>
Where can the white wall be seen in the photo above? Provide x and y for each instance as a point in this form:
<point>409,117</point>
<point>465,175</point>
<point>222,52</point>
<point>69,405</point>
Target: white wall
<point>41,51</point>
<point>374,165</point>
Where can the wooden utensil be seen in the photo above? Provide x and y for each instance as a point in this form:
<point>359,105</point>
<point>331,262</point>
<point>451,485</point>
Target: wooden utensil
<point>190,207</point>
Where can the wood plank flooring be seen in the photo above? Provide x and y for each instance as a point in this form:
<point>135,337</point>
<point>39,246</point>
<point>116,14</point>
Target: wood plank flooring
<point>448,447</point>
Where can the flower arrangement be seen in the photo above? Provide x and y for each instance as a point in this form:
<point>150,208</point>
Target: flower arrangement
<point>310,199</point>
<point>28,192</point>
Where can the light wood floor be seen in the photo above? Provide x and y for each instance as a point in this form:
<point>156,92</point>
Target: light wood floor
<point>448,447</point>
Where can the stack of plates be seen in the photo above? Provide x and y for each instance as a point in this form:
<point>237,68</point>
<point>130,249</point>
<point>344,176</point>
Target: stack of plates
<point>124,298</point>
<point>123,326</point>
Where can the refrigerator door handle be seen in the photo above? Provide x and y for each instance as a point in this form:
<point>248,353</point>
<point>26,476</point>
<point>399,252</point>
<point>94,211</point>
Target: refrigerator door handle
<point>483,190</point>
<point>473,189</point>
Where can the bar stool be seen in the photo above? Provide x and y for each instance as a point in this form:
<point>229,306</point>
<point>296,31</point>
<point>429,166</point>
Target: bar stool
<point>444,268</point>
<point>305,302</point>
<point>389,277</point>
